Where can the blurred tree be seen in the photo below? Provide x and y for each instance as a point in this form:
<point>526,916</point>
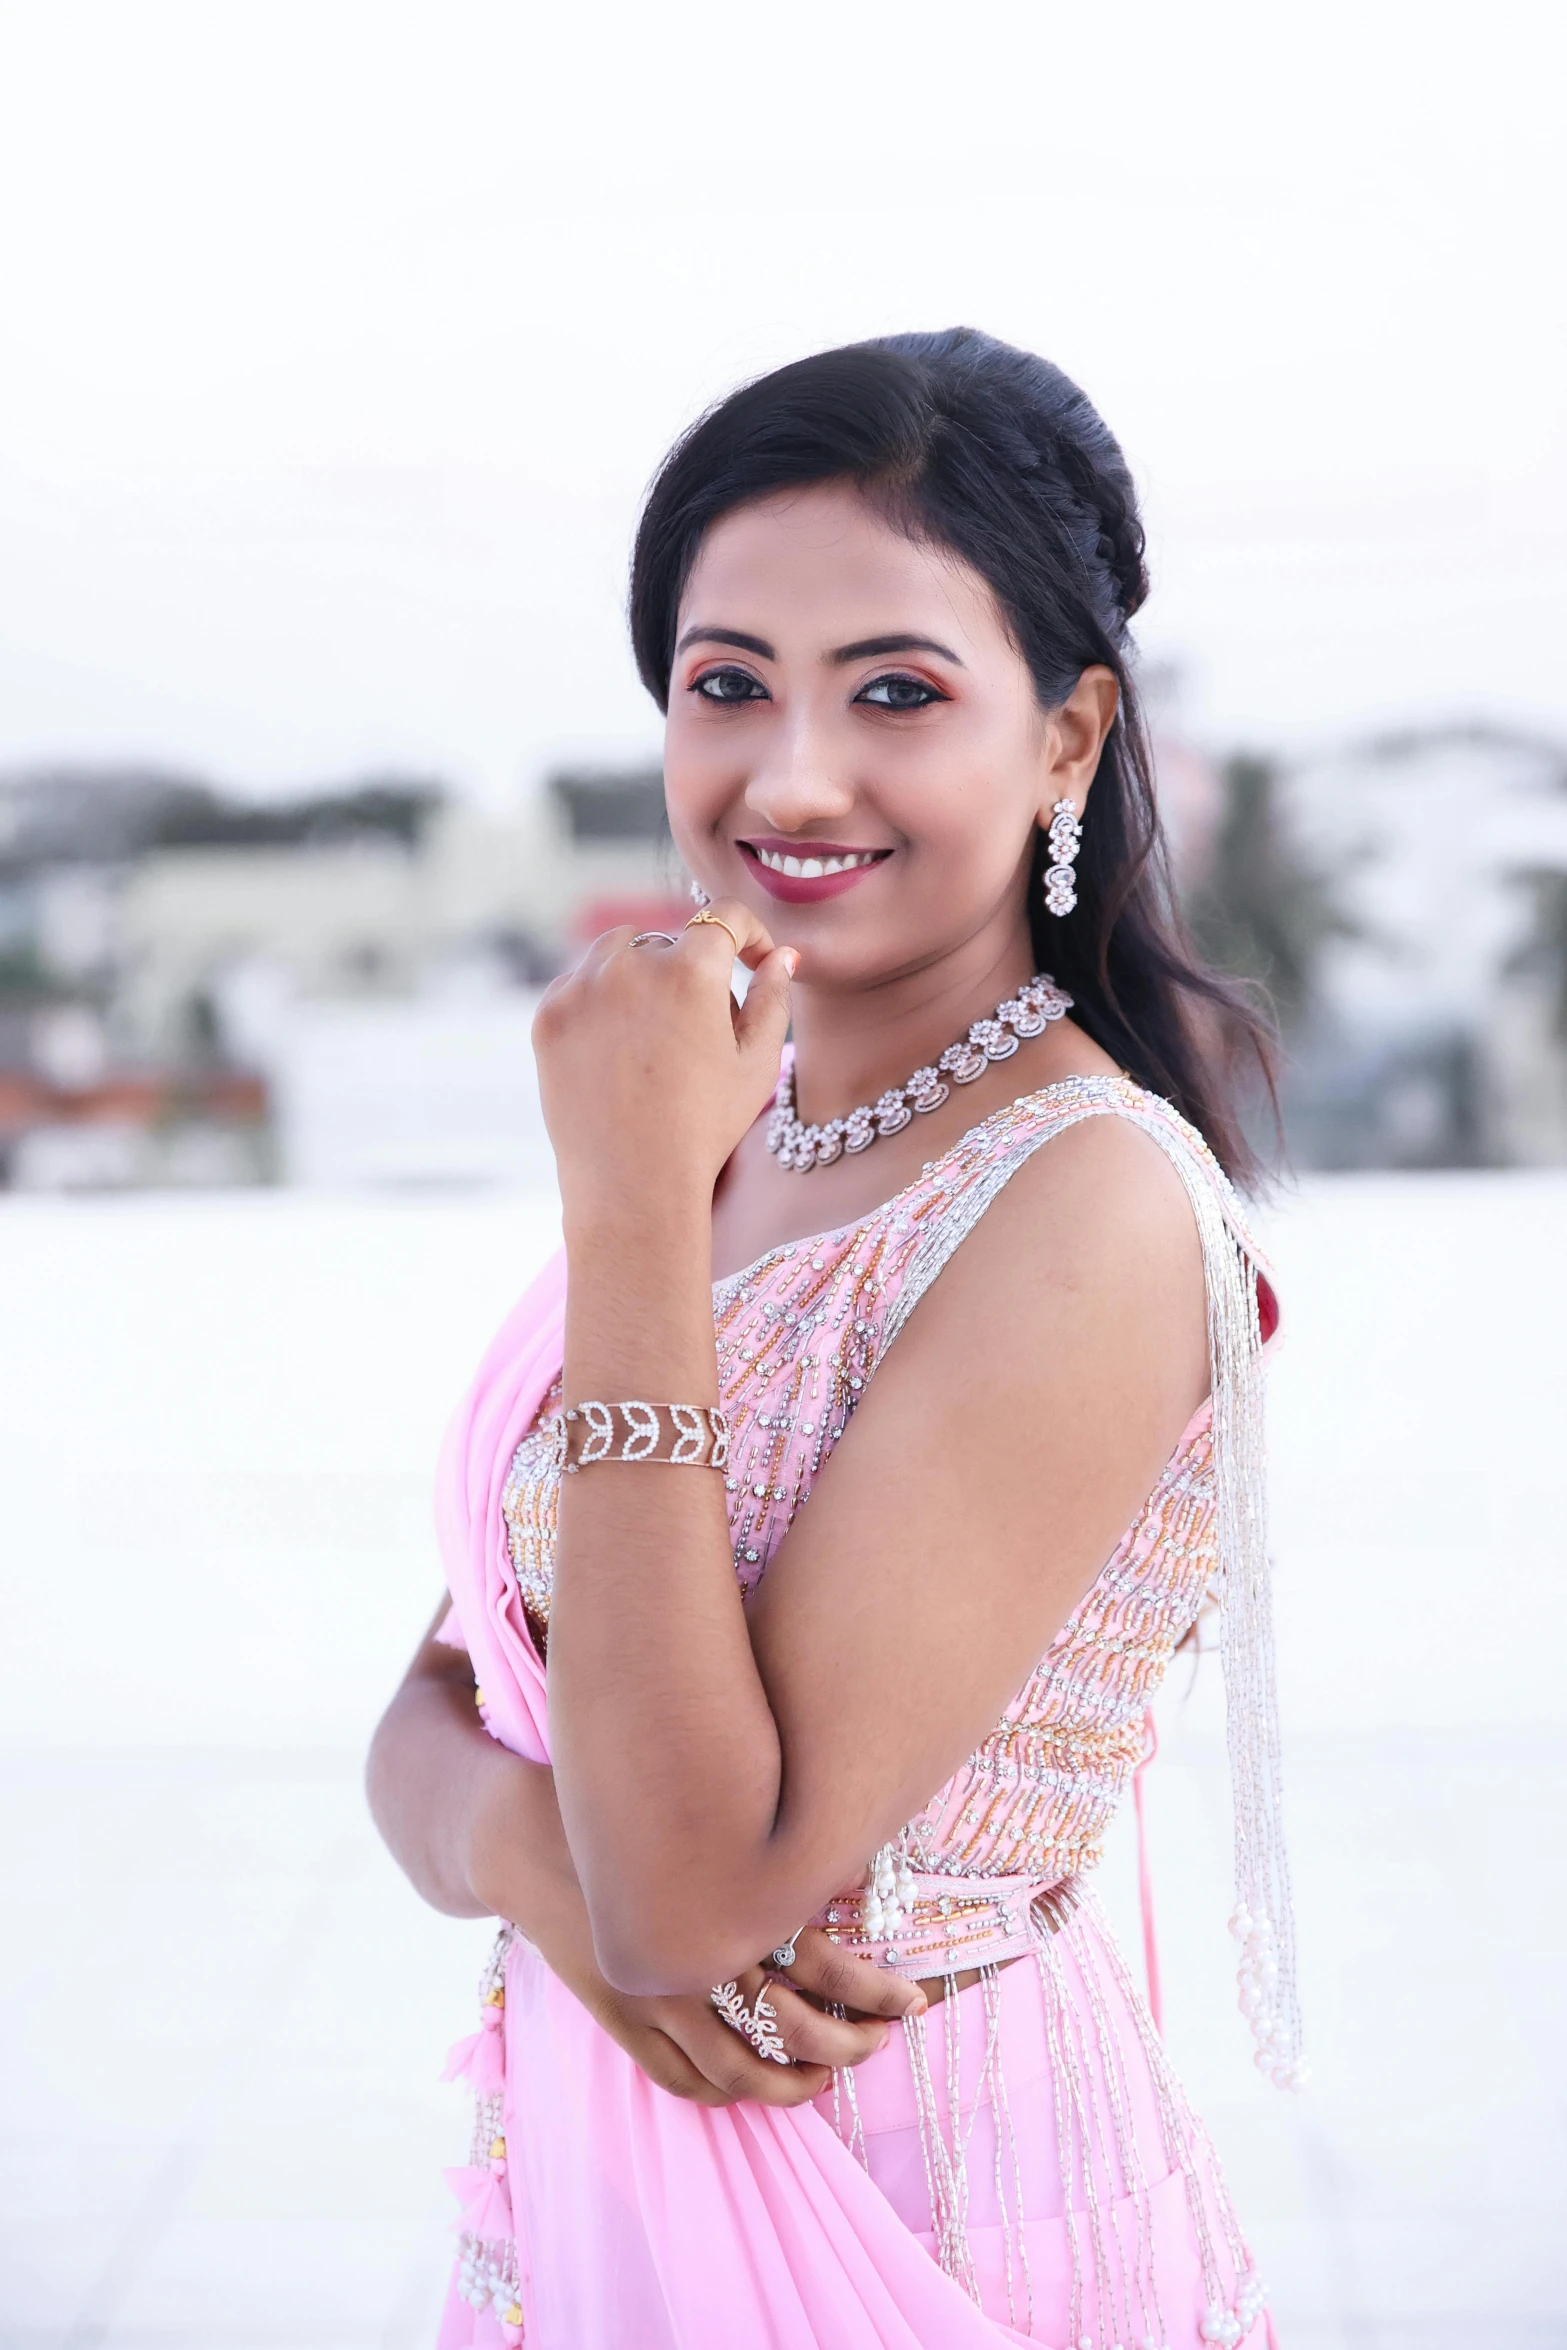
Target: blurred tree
<point>1262,910</point>
<point>1544,951</point>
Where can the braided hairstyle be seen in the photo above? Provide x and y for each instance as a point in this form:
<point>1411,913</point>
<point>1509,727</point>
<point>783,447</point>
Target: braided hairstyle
<point>989,451</point>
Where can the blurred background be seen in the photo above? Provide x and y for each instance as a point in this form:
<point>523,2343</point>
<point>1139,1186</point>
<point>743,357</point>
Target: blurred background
<point>337,344</point>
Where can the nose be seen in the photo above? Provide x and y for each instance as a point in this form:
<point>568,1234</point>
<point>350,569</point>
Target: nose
<point>794,787</point>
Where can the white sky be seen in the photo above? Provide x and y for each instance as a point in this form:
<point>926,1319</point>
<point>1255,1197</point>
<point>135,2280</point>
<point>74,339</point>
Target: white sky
<point>339,337</point>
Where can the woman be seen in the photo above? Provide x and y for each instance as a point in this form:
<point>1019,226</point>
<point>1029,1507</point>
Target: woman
<point>883,597</point>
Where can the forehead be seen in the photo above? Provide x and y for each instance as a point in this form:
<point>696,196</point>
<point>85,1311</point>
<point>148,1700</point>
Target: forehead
<point>822,563</point>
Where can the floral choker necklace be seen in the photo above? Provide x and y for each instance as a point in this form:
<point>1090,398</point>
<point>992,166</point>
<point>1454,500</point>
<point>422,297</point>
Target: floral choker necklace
<point>1027,1013</point>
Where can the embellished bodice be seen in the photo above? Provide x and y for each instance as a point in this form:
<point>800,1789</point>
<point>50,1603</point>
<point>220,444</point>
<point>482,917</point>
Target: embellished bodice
<point>800,1333</point>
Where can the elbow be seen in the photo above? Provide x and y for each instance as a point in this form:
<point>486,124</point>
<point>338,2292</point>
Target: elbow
<point>381,1785</point>
<point>447,1900</point>
<point>648,1957</point>
<point>637,1975</point>
<point>396,1813</point>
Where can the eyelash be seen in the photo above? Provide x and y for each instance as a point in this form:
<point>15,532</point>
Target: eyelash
<point>709,677</point>
<point>930,692</point>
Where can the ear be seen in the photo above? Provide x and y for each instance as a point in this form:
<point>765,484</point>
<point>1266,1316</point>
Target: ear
<point>1074,737</point>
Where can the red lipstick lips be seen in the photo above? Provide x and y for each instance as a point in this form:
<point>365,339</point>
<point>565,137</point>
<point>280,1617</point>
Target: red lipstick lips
<point>821,868</point>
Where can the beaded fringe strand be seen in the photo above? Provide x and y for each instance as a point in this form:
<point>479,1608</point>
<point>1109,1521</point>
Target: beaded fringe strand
<point>1263,1920</point>
<point>1109,2214</point>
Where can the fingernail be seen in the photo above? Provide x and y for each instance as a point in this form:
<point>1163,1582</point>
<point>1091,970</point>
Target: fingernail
<point>791,956</point>
<point>918,2004</point>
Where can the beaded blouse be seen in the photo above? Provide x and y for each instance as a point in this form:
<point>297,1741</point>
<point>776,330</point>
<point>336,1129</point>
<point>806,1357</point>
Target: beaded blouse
<point>992,1860</point>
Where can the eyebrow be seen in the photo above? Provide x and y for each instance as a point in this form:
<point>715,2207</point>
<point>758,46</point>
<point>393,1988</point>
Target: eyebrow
<point>869,648</point>
<point>728,636</point>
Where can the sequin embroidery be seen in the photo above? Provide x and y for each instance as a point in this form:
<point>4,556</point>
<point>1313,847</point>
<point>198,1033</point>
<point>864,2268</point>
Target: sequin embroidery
<point>799,1334</point>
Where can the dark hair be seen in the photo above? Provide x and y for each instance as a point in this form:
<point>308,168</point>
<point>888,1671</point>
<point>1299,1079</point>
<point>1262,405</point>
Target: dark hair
<point>972,445</point>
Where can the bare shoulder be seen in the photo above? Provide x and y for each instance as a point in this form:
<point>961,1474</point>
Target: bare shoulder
<point>1103,1183</point>
<point>1091,1246</point>
<point>1098,1202</point>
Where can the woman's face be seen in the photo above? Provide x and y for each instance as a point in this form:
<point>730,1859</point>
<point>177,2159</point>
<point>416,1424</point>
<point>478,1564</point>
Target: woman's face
<point>854,744</point>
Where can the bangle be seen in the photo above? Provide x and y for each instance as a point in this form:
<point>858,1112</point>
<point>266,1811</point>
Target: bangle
<point>681,1435</point>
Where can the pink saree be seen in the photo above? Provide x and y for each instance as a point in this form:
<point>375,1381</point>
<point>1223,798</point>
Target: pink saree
<point>1021,2165</point>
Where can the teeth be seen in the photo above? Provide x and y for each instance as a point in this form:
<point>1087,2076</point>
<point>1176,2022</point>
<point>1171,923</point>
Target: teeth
<point>813,868</point>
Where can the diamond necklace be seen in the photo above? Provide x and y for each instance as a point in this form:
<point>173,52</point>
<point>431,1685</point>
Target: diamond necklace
<point>1027,1013</point>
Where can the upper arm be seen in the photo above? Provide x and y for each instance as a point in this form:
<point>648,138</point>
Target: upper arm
<point>1008,1438</point>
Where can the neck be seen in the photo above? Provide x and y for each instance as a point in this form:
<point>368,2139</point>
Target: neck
<point>850,1045</point>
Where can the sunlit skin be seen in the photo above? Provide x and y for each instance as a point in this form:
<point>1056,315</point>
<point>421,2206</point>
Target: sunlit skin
<point>721,1771</point>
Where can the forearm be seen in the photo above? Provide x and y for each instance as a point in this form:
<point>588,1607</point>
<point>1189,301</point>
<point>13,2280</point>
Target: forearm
<point>667,1754</point>
<point>474,1828</point>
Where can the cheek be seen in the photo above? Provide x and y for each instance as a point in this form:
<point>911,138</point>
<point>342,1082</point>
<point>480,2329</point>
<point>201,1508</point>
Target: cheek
<point>970,801</point>
<point>701,772</point>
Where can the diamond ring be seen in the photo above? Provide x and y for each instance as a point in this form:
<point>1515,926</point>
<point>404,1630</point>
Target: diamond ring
<point>758,2024</point>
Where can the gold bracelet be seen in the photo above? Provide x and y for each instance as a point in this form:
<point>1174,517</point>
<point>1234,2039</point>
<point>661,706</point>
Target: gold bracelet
<point>681,1435</point>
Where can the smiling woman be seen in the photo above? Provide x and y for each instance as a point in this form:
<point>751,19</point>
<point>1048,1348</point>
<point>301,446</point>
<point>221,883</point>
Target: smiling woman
<point>972,1421</point>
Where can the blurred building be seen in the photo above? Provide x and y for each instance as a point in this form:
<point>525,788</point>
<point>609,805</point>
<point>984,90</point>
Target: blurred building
<point>82,1099</point>
<point>340,988</point>
<point>195,989</point>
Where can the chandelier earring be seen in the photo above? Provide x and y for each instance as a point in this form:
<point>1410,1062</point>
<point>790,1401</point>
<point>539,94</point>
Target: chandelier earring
<point>1065,838</point>
<point>699,896</point>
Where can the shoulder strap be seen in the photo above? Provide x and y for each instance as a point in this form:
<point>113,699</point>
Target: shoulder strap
<point>1263,1922</point>
<point>944,1232</point>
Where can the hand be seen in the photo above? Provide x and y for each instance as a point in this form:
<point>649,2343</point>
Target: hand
<point>649,1072</point>
<point>684,2045</point>
<point>517,1865</point>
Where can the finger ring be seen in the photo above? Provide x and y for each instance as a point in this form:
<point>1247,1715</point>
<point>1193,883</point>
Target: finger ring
<point>756,2024</point>
<point>707,915</point>
<point>649,938</point>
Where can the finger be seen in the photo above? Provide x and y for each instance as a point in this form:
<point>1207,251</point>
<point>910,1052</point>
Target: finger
<point>810,2037</point>
<point>762,1021</point>
<point>829,1972</point>
<point>608,942</point>
<point>729,2064</point>
<point>668,2067</point>
<point>733,930</point>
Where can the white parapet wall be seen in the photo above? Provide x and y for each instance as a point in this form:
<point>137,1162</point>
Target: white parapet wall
<point>437,1089</point>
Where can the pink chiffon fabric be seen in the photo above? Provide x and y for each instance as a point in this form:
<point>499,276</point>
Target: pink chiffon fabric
<point>644,2220</point>
<point>1093,2207</point>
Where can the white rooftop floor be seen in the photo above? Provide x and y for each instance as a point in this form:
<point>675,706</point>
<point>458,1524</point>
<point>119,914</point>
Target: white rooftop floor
<point>225,2012</point>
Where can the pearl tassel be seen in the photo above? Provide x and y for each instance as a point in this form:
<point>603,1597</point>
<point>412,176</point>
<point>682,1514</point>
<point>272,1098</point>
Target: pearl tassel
<point>888,1903</point>
<point>488,2270</point>
<point>1226,2326</point>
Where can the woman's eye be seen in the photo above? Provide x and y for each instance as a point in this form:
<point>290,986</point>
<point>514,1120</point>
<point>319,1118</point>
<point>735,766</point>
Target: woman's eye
<point>729,685</point>
<point>899,693</point>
